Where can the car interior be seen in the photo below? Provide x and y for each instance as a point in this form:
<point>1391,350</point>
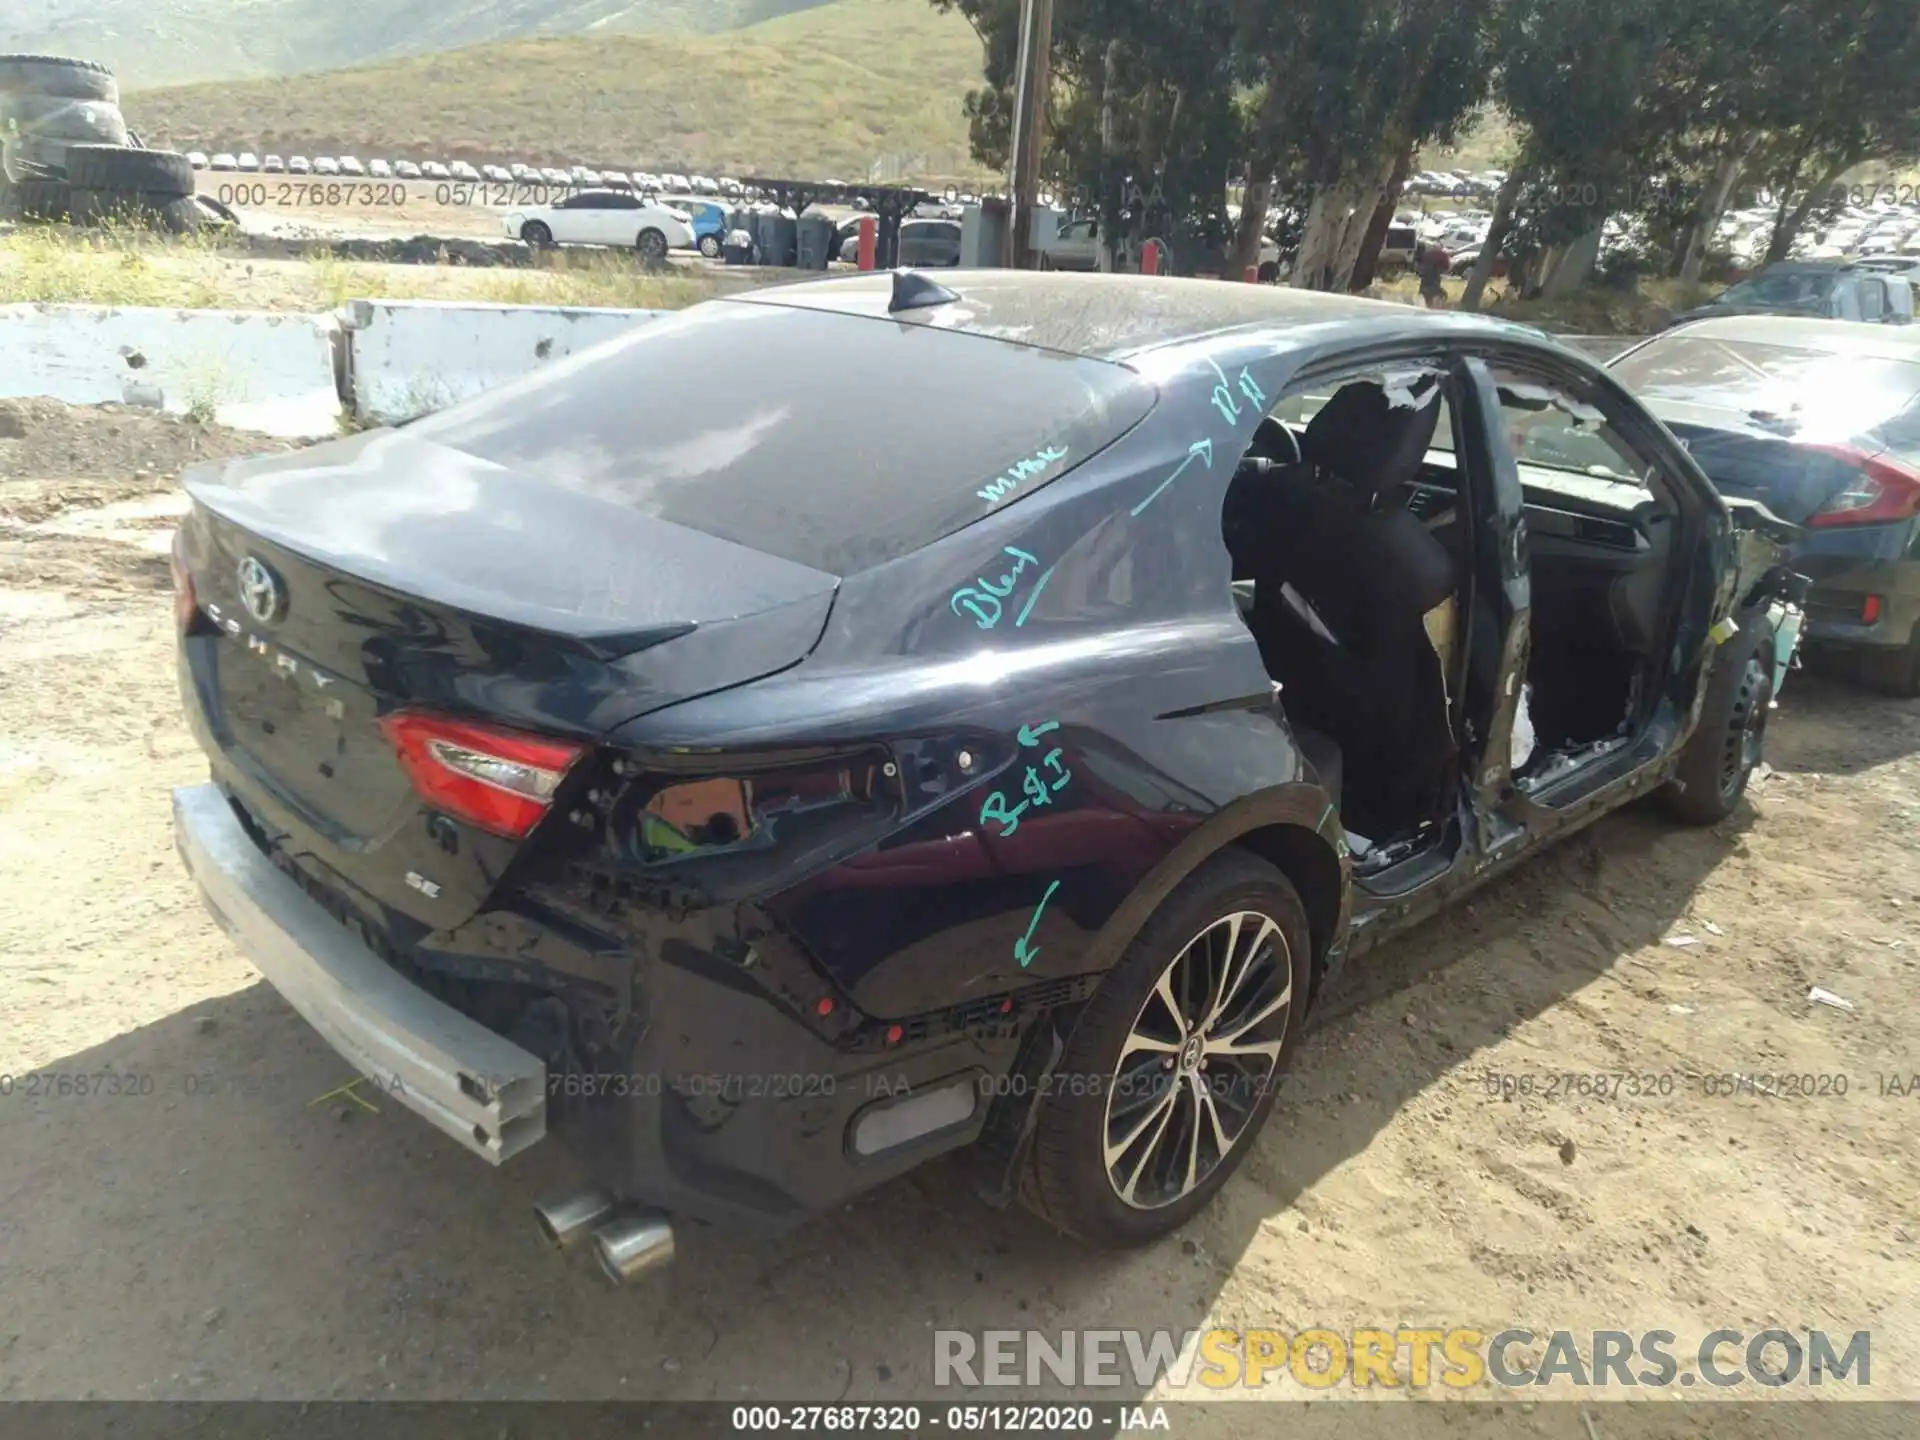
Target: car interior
<point>1351,552</point>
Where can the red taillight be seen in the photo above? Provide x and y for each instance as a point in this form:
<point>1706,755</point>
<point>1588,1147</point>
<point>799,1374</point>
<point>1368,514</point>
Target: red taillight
<point>501,781</point>
<point>1883,491</point>
<point>1870,610</point>
<point>185,605</point>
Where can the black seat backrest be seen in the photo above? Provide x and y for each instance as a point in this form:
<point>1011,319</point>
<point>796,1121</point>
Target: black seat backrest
<point>1372,444</point>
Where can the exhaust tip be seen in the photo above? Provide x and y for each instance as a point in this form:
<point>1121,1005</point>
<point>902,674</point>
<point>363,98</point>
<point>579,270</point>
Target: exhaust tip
<point>632,1245</point>
<point>564,1223</point>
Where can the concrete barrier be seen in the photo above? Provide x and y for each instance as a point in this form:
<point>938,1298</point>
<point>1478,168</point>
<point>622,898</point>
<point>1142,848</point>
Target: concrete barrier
<point>406,357</point>
<point>250,369</point>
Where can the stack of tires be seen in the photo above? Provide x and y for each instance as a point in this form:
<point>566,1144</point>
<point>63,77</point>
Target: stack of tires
<point>65,153</point>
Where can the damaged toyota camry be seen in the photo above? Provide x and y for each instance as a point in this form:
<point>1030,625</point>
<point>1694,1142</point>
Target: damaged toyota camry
<point>864,719</point>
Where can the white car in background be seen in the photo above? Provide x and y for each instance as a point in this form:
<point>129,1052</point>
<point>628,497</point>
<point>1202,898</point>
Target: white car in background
<point>299,165</point>
<point>434,170</point>
<point>603,217</point>
<point>351,166</point>
<point>197,159</point>
<point>406,170</point>
<point>223,160</point>
<point>325,165</point>
<point>380,169</point>
<point>496,174</point>
<point>248,160</point>
<point>461,170</point>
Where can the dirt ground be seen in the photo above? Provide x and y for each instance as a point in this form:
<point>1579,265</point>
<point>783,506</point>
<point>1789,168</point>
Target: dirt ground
<point>223,1235</point>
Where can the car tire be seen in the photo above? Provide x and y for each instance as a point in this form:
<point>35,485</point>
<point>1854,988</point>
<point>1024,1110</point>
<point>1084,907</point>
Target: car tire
<point>122,167</point>
<point>710,246</point>
<point>1730,738</point>
<point>57,75</point>
<point>33,200</point>
<point>536,234</point>
<point>651,244</point>
<point>1134,1104</point>
<point>175,214</point>
<point>52,117</point>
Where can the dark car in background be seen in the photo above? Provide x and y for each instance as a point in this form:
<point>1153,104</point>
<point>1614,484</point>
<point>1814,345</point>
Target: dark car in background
<point>1822,289</point>
<point>767,786</point>
<point>1821,422</point>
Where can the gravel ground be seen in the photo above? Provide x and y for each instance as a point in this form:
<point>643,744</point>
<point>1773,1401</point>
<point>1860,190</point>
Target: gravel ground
<point>225,1236</point>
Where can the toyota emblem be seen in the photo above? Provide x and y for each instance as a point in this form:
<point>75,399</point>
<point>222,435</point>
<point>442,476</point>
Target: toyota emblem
<point>260,591</point>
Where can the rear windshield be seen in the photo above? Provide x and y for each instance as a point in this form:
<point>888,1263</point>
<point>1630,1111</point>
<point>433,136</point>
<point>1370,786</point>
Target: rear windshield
<point>835,441</point>
<point>1791,287</point>
<point>1804,394</point>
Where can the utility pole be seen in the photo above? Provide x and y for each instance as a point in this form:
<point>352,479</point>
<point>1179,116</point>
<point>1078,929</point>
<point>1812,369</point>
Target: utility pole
<point>1033,77</point>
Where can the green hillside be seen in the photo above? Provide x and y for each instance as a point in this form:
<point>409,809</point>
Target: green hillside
<point>856,89</point>
<point>155,42</point>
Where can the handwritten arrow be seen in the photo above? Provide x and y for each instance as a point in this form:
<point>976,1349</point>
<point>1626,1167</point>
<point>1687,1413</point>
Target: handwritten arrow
<point>1023,951</point>
<point>1200,449</point>
<point>1030,734</point>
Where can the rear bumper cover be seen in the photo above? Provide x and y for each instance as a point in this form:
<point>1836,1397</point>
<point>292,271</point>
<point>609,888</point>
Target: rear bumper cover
<point>479,1088</point>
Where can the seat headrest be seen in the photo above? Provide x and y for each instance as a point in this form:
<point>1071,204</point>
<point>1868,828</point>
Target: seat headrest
<point>1369,442</point>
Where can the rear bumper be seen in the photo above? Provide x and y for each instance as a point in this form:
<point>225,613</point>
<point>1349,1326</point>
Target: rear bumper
<point>1848,565</point>
<point>482,1090</point>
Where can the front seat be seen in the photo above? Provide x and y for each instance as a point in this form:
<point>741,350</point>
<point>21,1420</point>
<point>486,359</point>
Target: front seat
<point>1370,571</point>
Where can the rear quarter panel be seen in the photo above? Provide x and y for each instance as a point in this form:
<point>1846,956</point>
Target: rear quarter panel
<point>1083,645</point>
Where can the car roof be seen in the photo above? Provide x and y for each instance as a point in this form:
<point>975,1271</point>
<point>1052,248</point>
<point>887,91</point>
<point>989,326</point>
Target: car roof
<point>1832,337</point>
<point>1107,317</point>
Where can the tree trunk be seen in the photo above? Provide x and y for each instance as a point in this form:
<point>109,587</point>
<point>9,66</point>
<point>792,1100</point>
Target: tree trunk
<point>1787,223</point>
<point>1336,225</point>
<point>1497,229</point>
<point>1713,204</point>
<point>1573,266</point>
<point>1251,231</point>
<point>1109,143</point>
<point>1376,233</point>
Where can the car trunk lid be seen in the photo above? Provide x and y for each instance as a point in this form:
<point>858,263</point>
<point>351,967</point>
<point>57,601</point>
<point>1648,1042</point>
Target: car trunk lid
<point>388,575</point>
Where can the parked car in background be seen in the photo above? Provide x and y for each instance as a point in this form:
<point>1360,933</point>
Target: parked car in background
<point>461,170</point>
<point>350,165</point>
<point>434,170</point>
<point>602,725</point>
<point>1075,247</point>
<point>1827,289</point>
<point>197,159</point>
<point>405,170</point>
<point>708,219</point>
<point>248,161</point>
<point>1396,251</point>
<point>603,217</point>
<point>1821,423</point>
<point>929,243</point>
<point>273,165</point>
<point>496,174</point>
<point>223,160</point>
<point>299,165</point>
<point>555,176</point>
<point>325,165</point>
<point>380,169</point>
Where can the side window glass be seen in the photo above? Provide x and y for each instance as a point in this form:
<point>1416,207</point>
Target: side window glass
<point>1550,427</point>
<point>1873,300</point>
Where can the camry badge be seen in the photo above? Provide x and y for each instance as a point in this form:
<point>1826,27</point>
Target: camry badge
<point>260,591</point>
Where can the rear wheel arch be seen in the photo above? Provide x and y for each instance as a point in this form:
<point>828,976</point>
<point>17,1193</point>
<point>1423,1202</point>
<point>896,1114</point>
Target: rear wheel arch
<point>1314,867</point>
<point>1281,826</point>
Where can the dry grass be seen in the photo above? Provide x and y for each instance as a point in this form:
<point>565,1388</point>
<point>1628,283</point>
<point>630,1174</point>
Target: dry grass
<point>846,89</point>
<point>54,265</point>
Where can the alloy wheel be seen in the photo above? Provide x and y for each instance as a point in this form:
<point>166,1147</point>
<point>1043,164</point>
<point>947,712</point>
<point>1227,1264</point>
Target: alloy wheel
<point>1198,1059</point>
